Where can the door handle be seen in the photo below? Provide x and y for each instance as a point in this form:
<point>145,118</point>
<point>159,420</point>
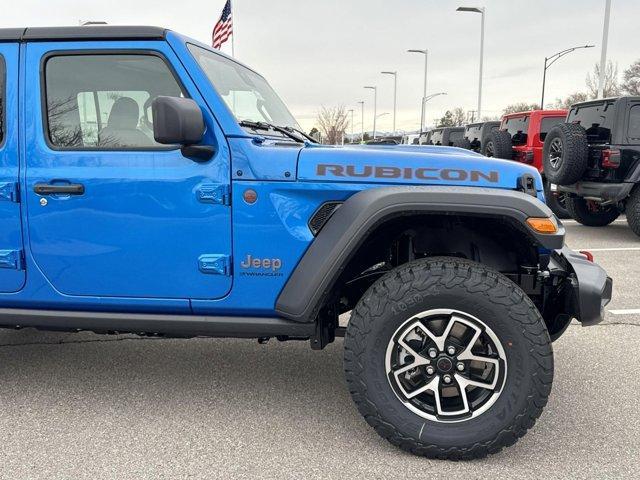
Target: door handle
<point>59,189</point>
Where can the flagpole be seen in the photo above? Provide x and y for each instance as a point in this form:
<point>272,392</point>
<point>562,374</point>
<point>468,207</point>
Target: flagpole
<point>233,33</point>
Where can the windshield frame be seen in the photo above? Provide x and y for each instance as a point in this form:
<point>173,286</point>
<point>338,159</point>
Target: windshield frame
<point>193,47</point>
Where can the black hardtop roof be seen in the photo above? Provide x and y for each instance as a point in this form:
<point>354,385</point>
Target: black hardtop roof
<point>87,32</point>
<point>600,101</point>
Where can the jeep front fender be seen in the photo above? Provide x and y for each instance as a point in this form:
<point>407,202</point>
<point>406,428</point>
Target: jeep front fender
<point>350,224</point>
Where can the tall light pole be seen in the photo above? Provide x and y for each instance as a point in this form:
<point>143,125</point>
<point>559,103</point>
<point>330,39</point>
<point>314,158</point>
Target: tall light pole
<point>424,52</point>
<point>351,111</point>
<point>481,12</point>
<point>395,96</point>
<point>375,108</point>
<point>603,53</point>
<point>548,61</point>
<point>362,119</point>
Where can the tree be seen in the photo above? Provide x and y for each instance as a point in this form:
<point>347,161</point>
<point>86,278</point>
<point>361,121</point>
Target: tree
<point>520,107</point>
<point>459,117</point>
<point>333,123</point>
<point>631,79</point>
<point>575,97</point>
<point>447,120</point>
<point>611,85</point>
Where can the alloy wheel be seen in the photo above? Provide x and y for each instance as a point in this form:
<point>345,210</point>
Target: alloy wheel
<point>446,365</point>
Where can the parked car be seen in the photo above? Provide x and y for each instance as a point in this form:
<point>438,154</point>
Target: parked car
<point>441,136</point>
<point>521,138</point>
<point>226,220</point>
<point>411,139</point>
<point>475,135</point>
<point>384,141</point>
<point>595,159</point>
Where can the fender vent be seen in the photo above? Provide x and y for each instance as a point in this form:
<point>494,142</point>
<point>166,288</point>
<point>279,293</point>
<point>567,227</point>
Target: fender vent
<point>322,214</point>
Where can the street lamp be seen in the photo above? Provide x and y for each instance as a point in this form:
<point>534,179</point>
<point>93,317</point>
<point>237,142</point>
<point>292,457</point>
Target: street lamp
<point>395,96</point>
<point>603,52</point>
<point>362,119</point>
<point>375,108</point>
<point>548,61</point>
<point>351,111</point>
<point>424,52</point>
<point>429,97</point>
<point>481,12</point>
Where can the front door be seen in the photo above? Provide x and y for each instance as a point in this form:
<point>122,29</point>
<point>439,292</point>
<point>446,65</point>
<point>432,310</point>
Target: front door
<point>12,273</point>
<point>111,212</point>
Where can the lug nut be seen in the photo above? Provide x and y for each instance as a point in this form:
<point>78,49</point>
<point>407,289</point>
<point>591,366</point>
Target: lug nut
<point>430,370</point>
<point>433,353</point>
<point>451,350</point>
<point>446,379</point>
<point>460,366</point>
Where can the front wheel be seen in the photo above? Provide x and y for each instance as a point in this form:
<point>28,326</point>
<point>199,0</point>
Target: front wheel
<point>590,213</point>
<point>449,359</point>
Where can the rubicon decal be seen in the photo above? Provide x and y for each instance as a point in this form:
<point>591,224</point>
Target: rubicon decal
<point>411,173</point>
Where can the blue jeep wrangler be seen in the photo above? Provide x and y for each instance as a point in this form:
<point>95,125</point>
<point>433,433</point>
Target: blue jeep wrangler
<point>154,186</point>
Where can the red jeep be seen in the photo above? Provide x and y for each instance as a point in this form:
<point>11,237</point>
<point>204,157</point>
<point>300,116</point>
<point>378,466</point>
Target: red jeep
<point>521,137</point>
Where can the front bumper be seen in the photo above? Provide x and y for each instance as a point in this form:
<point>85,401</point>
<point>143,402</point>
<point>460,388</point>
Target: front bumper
<point>602,192</point>
<point>591,287</point>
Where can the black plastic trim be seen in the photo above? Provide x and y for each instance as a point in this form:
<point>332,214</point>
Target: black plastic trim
<point>177,325</point>
<point>349,226</point>
<point>88,32</point>
<point>594,288</point>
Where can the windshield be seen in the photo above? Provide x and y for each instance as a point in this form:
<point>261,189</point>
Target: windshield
<point>247,94</point>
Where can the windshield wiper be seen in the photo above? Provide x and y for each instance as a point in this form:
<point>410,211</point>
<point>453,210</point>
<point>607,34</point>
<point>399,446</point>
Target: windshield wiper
<point>305,135</point>
<point>269,126</point>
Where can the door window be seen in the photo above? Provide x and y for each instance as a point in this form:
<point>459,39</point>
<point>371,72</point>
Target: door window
<point>103,101</point>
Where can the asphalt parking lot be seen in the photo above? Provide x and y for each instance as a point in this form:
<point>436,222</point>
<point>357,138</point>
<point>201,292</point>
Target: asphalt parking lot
<point>85,406</point>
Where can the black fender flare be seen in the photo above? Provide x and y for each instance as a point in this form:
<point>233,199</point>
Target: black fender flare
<point>348,227</point>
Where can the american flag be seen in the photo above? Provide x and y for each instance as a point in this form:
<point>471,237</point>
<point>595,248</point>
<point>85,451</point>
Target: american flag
<point>224,28</point>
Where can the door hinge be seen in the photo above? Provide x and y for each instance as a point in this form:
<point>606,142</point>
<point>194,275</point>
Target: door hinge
<point>214,193</point>
<point>11,259</point>
<point>215,264</point>
<point>9,191</point>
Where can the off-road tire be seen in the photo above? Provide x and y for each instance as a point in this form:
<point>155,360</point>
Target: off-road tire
<point>632,210</point>
<point>502,146</point>
<point>569,166</point>
<point>581,211</point>
<point>459,284</point>
<point>555,202</point>
<point>463,143</point>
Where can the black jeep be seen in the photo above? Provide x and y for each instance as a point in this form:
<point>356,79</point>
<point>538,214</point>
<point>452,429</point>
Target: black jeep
<point>475,135</point>
<point>441,136</point>
<point>595,158</point>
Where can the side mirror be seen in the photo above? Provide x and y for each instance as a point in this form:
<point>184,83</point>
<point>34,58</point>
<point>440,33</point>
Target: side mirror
<point>179,121</point>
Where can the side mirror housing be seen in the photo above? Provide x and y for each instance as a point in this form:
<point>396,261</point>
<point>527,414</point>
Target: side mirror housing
<point>177,121</point>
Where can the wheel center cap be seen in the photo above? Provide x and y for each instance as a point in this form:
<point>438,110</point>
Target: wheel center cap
<point>444,364</point>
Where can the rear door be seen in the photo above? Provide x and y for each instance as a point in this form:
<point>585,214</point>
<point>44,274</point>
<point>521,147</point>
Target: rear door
<point>111,212</point>
<point>12,274</point>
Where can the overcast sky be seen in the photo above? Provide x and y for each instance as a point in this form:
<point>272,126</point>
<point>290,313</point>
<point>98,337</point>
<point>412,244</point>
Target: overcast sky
<point>323,52</point>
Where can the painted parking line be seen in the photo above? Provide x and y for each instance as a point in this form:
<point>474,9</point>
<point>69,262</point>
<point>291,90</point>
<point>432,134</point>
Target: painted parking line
<point>612,249</point>
<point>629,311</point>
<point>574,222</point>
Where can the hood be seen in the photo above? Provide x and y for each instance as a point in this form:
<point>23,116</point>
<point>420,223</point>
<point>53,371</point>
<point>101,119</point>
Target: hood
<point>411,165</point>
